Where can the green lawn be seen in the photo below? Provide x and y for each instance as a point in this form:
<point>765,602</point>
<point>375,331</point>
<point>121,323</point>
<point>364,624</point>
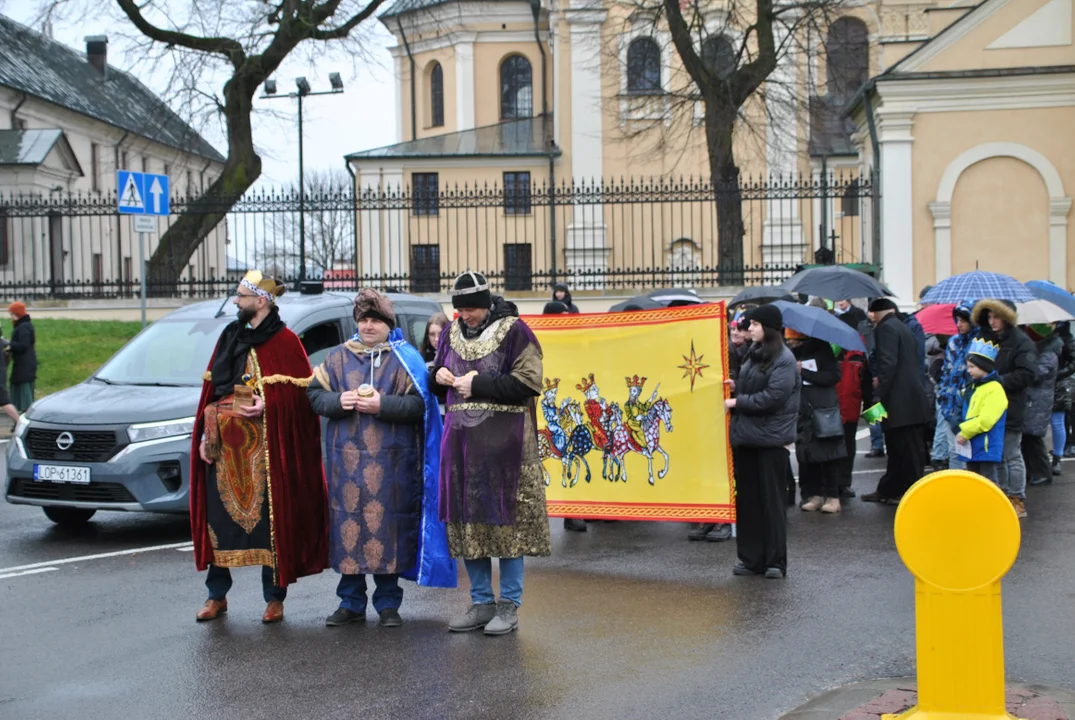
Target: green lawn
<point>69,351</point>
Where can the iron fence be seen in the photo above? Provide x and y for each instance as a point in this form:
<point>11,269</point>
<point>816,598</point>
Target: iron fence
<point>524,236</point>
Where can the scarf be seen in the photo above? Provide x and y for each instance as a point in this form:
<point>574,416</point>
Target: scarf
<point>229,365</point>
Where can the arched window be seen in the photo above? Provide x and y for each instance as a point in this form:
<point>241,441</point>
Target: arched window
<point>644,67</point>
<point>436,95</point>
<point>516,89</point>
<point>848,51</point>
<point>684,261</point>
<point>718,55</point>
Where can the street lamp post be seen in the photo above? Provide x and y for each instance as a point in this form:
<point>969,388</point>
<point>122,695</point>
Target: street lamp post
<point>302,89</point>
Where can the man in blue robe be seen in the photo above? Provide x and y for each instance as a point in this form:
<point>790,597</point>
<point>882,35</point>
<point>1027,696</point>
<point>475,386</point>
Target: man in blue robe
<point>381,464</point>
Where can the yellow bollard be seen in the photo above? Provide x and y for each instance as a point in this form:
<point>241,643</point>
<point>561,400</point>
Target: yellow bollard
<point>958,535</point>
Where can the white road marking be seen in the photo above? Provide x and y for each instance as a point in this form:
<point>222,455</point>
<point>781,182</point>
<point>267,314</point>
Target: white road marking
<point>99,556</point>
<point>186,548</point>
<point>38,571</point>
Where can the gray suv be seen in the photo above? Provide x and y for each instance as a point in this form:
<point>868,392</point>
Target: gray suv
<point>121,439</point>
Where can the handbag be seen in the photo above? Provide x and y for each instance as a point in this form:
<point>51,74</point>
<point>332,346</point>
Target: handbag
<point>828,423</point>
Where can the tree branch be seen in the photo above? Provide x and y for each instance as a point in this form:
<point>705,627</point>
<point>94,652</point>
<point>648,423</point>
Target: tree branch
<point>227,47</point>
<point>338,33</point>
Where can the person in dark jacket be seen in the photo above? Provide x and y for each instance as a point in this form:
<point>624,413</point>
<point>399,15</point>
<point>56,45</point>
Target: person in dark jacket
<point>877,436</point>
<point>1065,376</point>
<point>819,458</point>
<point>23,357</point>
<point>1016,367</point>
<point>560,293</point>
<point>5,399</point>
<point>898,387</point>
<point>434,327</point>
<point>1039,404</point>
<point>764,414</point>
<point>852,315</point>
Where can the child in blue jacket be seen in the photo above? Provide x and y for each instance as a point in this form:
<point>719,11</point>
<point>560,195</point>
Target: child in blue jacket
<point>985,409</point>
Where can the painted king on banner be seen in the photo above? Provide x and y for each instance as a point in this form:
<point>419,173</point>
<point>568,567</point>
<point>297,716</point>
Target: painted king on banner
<point>631,420</point>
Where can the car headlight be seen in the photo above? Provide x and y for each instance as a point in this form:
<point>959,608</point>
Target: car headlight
<point>142,432</point>
<point>21,426</point>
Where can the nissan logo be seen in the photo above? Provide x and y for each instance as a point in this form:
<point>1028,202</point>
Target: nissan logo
<point>65,440</point>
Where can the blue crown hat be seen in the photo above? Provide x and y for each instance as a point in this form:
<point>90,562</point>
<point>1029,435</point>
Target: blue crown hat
<point>984,348</point>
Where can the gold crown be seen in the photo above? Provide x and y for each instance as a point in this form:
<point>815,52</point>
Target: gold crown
<point>267,286</point>
<point>586,384</point>
<point>635,382</point>
<point>551,384</point>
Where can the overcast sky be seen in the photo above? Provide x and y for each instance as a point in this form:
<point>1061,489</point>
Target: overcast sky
<point>362,117</point>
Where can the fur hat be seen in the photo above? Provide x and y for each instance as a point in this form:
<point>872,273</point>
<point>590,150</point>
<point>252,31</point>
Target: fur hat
<point>372,304</point>
<point>767,316</point>
<point>883,304</point>
<point>471,290</point>
<point>1004,309</point>
<point>17,308</point>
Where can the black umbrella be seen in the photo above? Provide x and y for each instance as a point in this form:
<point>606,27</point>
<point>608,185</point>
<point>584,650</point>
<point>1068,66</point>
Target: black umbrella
<point>761,294</point>
<point>834,282</point>
<point>661,298</point>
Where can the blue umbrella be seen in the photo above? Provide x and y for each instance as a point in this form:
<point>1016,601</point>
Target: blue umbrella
<point>1055,294</point>
<point>978,285</point>
<point>816,323</point>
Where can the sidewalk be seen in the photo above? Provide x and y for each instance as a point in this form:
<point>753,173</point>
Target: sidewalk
<point>870,700</point>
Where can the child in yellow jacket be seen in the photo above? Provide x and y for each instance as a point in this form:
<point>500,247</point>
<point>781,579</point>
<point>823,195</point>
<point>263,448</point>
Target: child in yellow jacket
<point>985,412</point>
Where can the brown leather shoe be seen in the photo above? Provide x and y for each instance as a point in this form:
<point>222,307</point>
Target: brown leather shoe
<point>212,610</point>
<point>274,612</point>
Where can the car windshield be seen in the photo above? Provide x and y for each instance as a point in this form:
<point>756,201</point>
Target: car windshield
<point>169,352</point>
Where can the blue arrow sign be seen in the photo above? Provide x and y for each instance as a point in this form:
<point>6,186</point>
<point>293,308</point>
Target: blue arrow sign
<point>142,193</point>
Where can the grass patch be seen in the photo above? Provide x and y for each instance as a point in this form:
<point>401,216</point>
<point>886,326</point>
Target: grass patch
<point>69,351</point>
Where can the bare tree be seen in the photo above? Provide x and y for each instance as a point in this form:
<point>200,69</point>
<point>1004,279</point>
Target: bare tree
<point>242,42</point>
<point>330,223</point>
<point>728,53</point>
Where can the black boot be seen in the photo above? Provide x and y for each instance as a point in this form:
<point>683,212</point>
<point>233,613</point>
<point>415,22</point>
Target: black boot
<point>1057,470</point>
<point>575,524</point>
<point>700,531</point>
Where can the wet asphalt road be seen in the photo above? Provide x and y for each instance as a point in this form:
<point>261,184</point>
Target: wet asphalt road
<point>628,620</point>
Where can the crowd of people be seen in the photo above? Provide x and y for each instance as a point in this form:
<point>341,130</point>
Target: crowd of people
<point>405,491</point>
<point>984,399</point>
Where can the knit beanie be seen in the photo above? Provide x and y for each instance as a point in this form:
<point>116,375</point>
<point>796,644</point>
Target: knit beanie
<point>555,308</point>
<point>471,290</point>
<point>982,362</point>
<point>882,304</point>
<point>17,308</point>
<point>768,316</point>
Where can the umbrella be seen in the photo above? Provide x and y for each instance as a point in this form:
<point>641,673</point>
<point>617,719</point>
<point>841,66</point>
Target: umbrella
<point>661,298</point>
<point>978,285</point>
<point>1053,293</point>
<point>816,323</point>
<point>1042,312</point>
<point>834,282</point>
<point>761,294</point>
<point>937,319</point>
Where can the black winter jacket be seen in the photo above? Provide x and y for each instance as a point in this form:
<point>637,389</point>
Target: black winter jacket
<point>1065,374</point>
<point>818,392</point>
<point>23,354</point>
<point>899,375</point>
<point>767,401</point>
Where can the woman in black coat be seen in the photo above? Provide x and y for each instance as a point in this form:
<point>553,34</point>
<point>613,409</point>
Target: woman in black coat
<point>764,412</point>
<point>819,458</point>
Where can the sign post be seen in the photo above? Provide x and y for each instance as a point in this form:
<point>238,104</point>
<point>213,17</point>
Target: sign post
<point>146,197</point>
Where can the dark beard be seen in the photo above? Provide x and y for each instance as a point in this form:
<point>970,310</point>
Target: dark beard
<point>245,315</point>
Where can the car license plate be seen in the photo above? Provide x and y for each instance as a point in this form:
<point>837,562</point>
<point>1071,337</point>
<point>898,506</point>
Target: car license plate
<point>62,474</point>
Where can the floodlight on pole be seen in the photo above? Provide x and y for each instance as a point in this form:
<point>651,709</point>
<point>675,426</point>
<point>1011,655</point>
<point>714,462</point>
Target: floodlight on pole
<point>335,81</point>
<point>270,87</point>
<point>302,85</point>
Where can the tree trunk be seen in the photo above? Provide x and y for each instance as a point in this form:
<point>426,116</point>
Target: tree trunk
<point>720,122</point>
<point>201,216</point>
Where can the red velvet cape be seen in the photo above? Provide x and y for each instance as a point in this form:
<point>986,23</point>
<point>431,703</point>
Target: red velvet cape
<point>296,475</point>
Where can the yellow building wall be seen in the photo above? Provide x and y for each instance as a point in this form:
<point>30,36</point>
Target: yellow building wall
<point>995,208</point>
<point>971,52</point>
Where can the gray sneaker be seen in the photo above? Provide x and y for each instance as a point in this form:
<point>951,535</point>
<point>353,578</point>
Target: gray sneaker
<point>477,617</point>
<point>506,620</point>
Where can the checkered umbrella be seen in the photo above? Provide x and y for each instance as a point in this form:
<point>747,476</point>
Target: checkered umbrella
<point>978,285</point>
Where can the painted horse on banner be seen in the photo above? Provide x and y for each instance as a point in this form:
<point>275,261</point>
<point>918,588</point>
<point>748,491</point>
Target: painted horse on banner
<point>623,442</point>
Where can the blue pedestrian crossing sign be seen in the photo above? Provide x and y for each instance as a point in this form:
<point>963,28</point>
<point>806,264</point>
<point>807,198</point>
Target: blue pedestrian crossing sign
<point>142,193</point>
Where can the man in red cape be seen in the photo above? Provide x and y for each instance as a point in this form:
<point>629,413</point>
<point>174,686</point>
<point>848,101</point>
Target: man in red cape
<point>257,487</point>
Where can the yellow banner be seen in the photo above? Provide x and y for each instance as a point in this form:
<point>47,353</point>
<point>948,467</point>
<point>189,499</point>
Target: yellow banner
<point>631,417</point>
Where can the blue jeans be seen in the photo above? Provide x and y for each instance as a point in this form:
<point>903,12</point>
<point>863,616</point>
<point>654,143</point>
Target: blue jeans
<point>877,437</point>
<point>1012,475</point>
<point>218,580</point>
<point>386,594</point>
<point>1060,432</point>
<point>481,580</point>
<point>940,438</point>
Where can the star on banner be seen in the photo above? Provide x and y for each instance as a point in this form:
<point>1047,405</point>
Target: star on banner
<point>693,366</point>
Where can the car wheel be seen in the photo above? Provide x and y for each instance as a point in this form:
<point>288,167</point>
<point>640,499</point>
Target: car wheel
<point>68,515</point>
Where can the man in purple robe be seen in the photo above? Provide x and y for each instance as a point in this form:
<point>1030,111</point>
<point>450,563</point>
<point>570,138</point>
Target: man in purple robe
<point>492,495</point>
